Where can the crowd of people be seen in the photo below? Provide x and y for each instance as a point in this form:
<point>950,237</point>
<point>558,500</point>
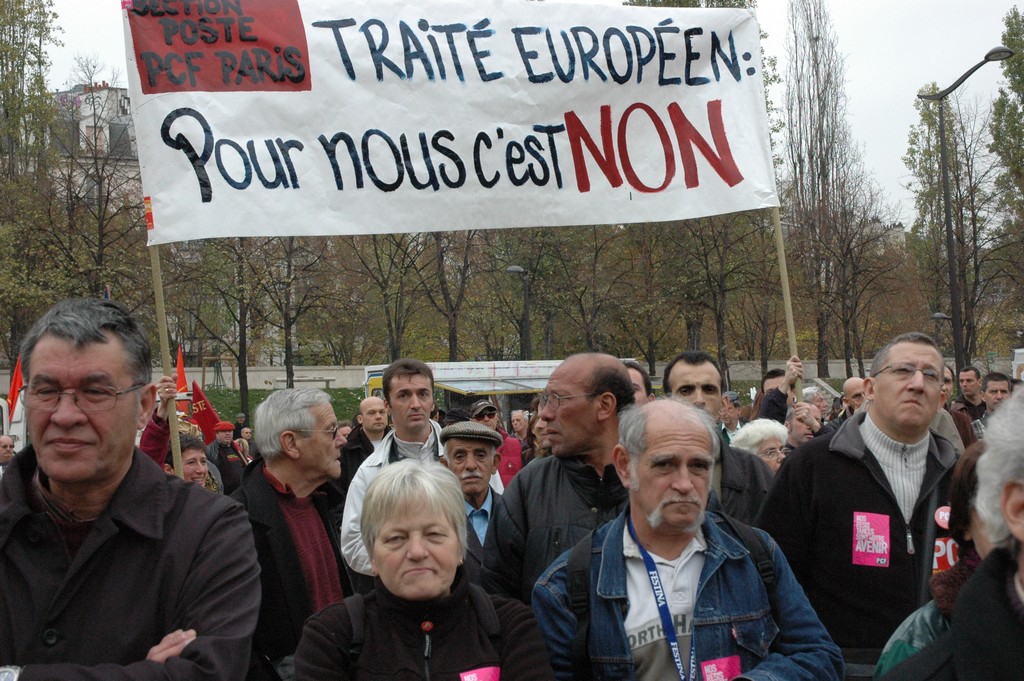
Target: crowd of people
<point>609,533</point>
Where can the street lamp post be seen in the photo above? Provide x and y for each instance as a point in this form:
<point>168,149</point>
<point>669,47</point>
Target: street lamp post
<point>524,337</point>
<point>995,54</point>
<point>938,318</point>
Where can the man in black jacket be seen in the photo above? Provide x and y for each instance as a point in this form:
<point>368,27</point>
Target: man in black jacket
<point>109,568</point>
<point>371,426</point>
<point>854,512</point>
<point>552,503</point>
<point>301,570</point>
<point>740,479</point>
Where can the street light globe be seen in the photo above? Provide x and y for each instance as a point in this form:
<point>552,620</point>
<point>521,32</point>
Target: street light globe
<point>998,53</point>
<point>515,269</point>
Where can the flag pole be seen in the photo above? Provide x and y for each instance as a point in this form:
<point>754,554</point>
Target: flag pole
<point>165,356</point>
<point>787,301</point>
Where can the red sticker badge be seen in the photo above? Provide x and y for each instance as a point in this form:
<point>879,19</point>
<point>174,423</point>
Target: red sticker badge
<point>946,554</point>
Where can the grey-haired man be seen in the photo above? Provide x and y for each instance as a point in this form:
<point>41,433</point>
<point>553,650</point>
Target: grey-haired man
<point>108,567</point>
<point>471,452</point>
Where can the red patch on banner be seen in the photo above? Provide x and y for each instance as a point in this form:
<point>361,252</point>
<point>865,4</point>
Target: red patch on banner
<point>221,46</point>
<point>148,203</point>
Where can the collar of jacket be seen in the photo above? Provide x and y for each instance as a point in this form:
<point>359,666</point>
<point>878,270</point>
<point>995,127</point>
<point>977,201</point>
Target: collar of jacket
<point>611,579</point>
<point>380,455</point>
<point>144,487</point>
<point>848,441</point>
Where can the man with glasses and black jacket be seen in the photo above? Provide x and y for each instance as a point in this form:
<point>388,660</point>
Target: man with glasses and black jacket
<point>855,512</point>
<point>552,503</point>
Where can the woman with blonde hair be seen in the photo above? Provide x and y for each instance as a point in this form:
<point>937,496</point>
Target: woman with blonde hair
<point>423,619</point>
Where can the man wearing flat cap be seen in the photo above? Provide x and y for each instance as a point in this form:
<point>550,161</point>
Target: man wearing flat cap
<point>471,452</point>
<point>226,456</point>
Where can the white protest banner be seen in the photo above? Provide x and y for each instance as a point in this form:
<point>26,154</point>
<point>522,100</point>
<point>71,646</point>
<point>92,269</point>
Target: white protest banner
<point>314,117</point>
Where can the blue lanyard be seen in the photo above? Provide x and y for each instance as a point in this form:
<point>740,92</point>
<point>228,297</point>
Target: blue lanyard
<point>666,616</point>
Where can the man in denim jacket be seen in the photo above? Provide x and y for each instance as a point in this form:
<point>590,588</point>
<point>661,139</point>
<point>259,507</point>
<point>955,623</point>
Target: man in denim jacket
<point>711,591</point>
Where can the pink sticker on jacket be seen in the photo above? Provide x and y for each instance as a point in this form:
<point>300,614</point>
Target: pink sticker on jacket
<point>482,674</point>
<point>722,669</point>
<point>871,539</point>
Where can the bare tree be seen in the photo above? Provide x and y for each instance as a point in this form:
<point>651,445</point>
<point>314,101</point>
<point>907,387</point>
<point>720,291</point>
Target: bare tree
<point>649,318</point>
<point>445,279</point>
<point>977,211</point>
<point>392,262</point>
<point>588,270</point>
<point>226,271</point>
<point>96,203</point>
<point>289,279</point>
<point>823,163</point>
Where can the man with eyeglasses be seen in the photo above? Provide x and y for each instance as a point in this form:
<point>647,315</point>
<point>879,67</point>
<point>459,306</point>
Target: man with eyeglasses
<point>110,568</point>
<point>552,503</point>
<point>6,452</point>
<point>285,493</point>
<point>855,511</point>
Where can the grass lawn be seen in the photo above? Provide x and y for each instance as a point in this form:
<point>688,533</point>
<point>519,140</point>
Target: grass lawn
<point>228,403</point>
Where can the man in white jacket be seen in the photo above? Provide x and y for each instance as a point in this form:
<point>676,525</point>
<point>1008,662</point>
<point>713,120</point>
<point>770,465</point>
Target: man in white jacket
<point>409,396</point>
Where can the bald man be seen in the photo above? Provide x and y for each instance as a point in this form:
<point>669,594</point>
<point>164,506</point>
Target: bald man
<point>372,424</point>
<point>552,503</point>
<point>853,398</point>
<point>6,452</point>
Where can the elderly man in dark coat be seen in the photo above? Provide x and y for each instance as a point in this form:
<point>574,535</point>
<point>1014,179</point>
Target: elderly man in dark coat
<point>471,452</point>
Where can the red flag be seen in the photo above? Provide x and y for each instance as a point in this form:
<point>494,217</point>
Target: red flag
<point>204,414</point>
<point>182,382</point>
<point>16,383</point>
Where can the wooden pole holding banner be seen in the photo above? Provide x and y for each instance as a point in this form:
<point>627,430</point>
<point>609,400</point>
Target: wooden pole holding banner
<point>787,301</point>
<point>165,356</point>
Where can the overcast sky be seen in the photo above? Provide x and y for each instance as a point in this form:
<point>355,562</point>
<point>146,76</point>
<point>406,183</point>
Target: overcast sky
<point>893,49</point>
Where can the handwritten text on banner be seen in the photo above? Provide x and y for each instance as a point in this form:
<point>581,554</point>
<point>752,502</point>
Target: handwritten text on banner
<point>269,117</point>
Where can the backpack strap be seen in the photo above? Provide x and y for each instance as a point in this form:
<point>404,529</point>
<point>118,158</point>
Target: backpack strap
<point>355,607</point>
<point>579,598</point>
<point>486,614</point>
<point>761,556</point>
<point>924,593</point>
